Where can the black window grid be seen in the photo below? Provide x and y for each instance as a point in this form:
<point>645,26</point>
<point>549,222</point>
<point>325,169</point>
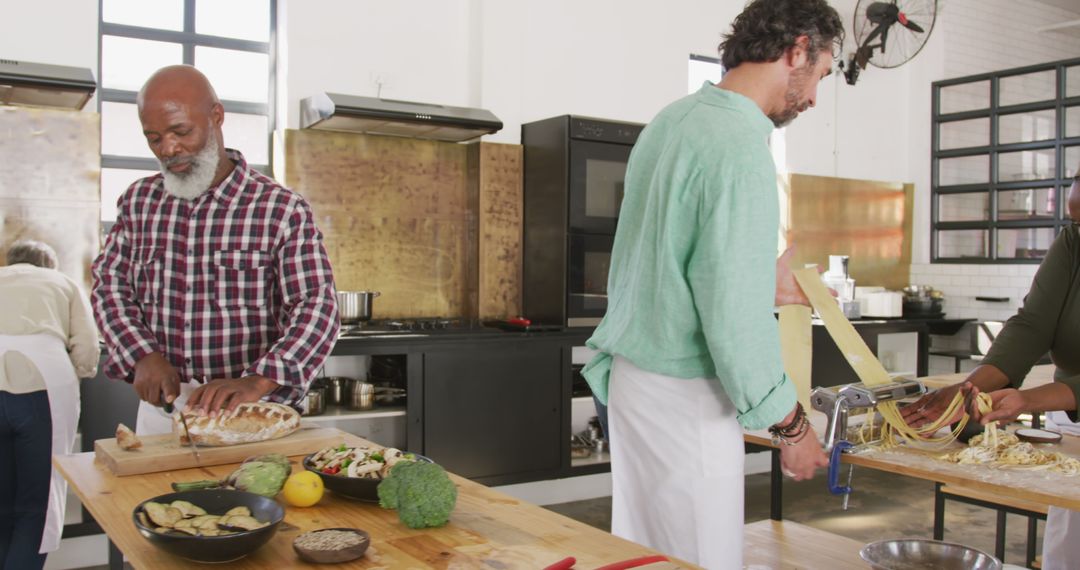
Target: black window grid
<point>1059,182</point>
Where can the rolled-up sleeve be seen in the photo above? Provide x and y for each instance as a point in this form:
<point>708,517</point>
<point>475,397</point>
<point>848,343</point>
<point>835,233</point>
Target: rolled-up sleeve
<point>309,308</point>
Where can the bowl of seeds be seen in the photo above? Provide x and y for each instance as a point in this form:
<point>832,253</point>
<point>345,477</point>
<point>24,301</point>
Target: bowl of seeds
<point>332,545</point>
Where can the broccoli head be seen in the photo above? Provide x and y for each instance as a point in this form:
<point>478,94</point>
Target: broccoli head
<point>422,493</point>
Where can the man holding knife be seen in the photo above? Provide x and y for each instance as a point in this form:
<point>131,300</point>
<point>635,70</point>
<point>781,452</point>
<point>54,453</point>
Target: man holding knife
<point>213,274</point>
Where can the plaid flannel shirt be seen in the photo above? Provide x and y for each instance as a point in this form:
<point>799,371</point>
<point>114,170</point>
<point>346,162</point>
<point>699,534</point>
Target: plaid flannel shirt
<point>232,284</point>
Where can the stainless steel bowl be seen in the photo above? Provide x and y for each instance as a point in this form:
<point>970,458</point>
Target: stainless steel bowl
<point>355,306</point>
<point>921,553</point>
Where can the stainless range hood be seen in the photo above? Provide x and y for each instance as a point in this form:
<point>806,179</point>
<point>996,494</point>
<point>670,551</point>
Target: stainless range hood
<point>335,112</point>
<point>45,85</point>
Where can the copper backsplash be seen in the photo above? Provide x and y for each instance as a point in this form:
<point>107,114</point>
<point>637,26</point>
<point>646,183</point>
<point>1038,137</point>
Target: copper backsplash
<point>865,219</point>
<point>49,183</point>
<point>434,226</point>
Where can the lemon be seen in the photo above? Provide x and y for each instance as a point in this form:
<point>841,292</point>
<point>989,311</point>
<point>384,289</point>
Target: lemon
<point>302,489</point>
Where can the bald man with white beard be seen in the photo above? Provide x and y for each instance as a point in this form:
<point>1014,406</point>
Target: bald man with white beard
<point>213,287</point>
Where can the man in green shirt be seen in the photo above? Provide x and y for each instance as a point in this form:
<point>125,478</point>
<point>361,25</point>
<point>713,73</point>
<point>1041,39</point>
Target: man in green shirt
<point>1048,321</point>
<point>689,350</point>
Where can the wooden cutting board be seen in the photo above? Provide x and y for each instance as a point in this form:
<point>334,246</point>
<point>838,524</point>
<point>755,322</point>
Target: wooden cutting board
<point>164,452</point>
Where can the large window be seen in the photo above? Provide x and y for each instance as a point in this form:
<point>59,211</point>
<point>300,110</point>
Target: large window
<point>1005,148</point>
<point>232,42</point>
<point>702,68</point>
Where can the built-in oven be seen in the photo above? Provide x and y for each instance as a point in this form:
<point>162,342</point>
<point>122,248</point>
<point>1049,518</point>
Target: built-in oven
<point>575,168</point>
<point>586,286</point>
<point>597,173</point>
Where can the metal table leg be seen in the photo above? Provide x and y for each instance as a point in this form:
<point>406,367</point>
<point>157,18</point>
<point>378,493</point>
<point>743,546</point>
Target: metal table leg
<point>1033,523</point>
<point>939,513</point>
<point>776,488</point>
<point>999,536</point>
<point>116,558</point>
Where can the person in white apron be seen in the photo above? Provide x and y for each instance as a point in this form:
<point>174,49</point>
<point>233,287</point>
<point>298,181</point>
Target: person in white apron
<point>47,341</point>
<point>1060,547</point>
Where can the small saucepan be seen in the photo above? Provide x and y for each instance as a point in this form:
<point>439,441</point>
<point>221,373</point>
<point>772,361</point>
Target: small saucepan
<point>355,306</point>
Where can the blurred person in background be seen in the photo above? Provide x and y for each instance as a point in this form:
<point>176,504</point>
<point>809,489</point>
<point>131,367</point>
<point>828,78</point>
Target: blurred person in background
<point>47,342</point>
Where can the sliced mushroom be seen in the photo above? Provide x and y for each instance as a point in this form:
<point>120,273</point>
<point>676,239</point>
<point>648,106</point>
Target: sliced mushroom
<point>362,469</point>
<point>392,455</point>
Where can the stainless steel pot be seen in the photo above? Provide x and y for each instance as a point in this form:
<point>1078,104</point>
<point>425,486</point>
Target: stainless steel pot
<point>362,396</point>
<point>316,401</point>
<point>337,389</point>
<point>355,306</point>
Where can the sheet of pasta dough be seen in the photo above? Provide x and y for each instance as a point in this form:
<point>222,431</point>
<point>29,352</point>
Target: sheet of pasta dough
<point>847,339</point>
<point>796,348</point>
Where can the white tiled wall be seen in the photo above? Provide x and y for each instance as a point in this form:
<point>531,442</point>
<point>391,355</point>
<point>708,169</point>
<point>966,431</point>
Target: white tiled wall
<point>961,283</point>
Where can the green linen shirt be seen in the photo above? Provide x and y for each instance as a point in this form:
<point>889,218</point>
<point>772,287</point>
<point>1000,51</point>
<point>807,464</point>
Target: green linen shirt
<point>1048,321</point>
<point>693,268</point>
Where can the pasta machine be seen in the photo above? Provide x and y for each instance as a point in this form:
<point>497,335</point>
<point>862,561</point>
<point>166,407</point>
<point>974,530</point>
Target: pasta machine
<point>837,403</point>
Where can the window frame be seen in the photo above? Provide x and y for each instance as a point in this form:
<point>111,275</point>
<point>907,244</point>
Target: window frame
<point>189,40</point>
<point>1059,182</point>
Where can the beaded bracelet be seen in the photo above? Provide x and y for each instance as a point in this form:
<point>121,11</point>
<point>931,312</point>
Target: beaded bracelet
<point>794,431</point>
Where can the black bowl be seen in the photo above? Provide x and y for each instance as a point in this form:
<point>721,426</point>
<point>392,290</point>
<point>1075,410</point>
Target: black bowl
<point>360,488</point>
<point>215,548</point>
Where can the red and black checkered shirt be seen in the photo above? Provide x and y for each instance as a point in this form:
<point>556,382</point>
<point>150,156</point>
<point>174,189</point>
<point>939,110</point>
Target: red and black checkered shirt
<point>231,284</point>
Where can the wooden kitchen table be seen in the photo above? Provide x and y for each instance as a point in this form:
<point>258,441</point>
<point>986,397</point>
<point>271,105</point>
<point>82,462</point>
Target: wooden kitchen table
<point>1026,485</point>
<point>487,530</point>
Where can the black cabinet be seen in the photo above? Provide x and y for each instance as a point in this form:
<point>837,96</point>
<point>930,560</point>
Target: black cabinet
<point>492,414</point>
<point>830,368</point>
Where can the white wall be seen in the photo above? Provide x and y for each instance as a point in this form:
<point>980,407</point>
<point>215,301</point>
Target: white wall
<point>527,60</point>
<point>60,32</point>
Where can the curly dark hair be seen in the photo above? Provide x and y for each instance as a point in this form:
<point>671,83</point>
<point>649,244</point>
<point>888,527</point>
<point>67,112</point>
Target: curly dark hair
<point>767,28</point>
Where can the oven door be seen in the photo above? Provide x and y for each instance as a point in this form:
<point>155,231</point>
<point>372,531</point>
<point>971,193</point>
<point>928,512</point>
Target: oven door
<point>586,289</point>
<point>597,173</point>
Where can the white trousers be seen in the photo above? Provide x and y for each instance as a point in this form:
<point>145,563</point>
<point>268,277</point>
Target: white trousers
<point>50,356</point>
<point>1061,538</point>
<point>153,420</point>
<point>676,466</point>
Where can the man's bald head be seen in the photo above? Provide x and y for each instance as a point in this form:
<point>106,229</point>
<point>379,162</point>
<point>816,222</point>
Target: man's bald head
<point>178,83</point>
<point>181,119</point>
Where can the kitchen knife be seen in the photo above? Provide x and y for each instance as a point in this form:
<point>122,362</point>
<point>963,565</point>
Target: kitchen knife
<point>169,409</point>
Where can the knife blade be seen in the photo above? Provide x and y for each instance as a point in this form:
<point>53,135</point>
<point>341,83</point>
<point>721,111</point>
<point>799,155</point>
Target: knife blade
<point>169,409</point>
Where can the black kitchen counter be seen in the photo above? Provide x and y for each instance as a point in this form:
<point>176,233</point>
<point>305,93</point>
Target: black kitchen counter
<point>418,342</point>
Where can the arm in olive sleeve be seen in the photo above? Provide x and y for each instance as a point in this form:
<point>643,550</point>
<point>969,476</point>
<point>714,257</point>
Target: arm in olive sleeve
<point>1028,335</point>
